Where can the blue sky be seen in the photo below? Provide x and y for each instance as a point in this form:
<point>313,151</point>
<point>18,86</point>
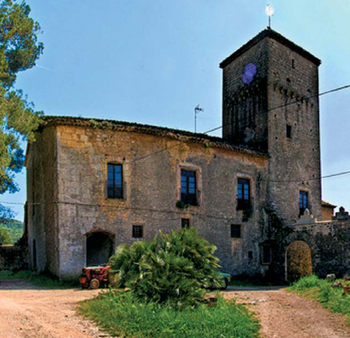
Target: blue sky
<point>153,61</point>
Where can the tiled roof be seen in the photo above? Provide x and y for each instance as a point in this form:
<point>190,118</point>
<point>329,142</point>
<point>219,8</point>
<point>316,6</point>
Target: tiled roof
<point>181,135</point>
<point>326,204</point>
<point>269,33</point>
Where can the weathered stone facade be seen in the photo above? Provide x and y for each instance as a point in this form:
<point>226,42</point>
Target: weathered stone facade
<point>271,85</point>
<point>77,204</point>
<point>273,151</point>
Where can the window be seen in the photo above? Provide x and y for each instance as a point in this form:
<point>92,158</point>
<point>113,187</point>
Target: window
<point>289,131</point>
<point>303,202</point>
<point>185,223</point>
<point>137,231</point>
<point>250,255</point>
<point>188,187</point>
<point>293,63</point>
<point>235,231</point>
<point>266,254</point>
<point>115,181</point>
<point>243,194</point>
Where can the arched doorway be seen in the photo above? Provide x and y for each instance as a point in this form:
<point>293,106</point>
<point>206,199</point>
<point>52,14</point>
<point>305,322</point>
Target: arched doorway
<point>298,261</point>
<point>99,247</point>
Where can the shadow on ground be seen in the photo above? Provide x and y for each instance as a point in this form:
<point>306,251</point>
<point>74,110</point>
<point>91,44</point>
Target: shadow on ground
<point>20,284</point>
<point>255,288</point>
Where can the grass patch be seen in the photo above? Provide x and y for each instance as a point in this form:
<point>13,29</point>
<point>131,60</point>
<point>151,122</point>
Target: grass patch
<point>331,298</point>
<point>120,314</point>
<point>41,280</point>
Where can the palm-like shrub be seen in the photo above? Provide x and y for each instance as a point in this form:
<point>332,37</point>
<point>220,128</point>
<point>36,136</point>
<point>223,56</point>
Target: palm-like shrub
<point>172,269</point>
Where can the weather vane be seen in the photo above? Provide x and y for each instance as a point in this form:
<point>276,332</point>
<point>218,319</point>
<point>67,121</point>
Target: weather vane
<point>269,10</point>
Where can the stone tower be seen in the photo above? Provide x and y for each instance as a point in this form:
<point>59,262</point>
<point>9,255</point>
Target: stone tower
<point>270,103</point>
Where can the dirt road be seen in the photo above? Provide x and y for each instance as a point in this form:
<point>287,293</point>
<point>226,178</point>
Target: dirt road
<point>28,311</point>
<point>285,315</point>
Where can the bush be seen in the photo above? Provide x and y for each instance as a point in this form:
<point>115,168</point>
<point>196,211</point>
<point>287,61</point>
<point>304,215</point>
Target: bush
<point>122,315</point>
<point>172,269</point>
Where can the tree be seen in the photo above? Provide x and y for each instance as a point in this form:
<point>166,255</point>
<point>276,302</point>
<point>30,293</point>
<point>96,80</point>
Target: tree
<point>19,49</point>
<point>5,237</point>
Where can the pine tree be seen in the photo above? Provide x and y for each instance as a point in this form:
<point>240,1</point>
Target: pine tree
<point>19,49</point>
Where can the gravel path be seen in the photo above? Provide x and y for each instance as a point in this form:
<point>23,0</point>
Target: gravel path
<point>283,314</point>
<point>28,311</point>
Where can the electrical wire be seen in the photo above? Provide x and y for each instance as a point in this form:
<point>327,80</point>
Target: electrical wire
<point>287,104</point>
<point>220,127</point>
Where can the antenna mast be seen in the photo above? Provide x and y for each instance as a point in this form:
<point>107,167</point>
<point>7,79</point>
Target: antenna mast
<point>196,111</point>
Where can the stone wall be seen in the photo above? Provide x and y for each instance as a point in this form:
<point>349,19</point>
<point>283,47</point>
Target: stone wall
<point>267,85</point>
<point>151,190</point>
<point>42,215</point>
<point>328,241</point>
<point>245,98</point>
<point>294,162</point>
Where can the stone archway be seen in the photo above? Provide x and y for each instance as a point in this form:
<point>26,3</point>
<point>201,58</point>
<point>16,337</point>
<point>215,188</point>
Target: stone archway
<point>99,247</point>
<point>298,261</point>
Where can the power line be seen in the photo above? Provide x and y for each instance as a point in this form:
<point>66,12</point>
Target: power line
<point>309,179</point>
<point>220,127</point>
<point>287,104</point>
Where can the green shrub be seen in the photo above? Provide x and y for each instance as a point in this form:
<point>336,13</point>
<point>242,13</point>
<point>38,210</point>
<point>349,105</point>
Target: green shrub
<point>122,315</point>
<point>172,269</point>
<point>5,237</point>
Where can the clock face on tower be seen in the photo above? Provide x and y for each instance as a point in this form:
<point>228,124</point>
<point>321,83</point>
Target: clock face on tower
<point>249,72</point>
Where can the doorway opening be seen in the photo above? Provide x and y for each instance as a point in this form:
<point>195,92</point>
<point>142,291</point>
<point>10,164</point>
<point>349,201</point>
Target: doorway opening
<point>99,247</point>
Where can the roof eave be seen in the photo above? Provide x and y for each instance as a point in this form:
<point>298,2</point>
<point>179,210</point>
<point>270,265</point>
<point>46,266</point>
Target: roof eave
<point>269,33</point>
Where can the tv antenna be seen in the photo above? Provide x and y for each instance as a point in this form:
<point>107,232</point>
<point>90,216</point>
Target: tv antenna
<point>269,10</point>
<point>197,110</point>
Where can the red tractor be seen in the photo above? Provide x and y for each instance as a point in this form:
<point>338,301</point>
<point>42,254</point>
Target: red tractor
<point>95,276</point>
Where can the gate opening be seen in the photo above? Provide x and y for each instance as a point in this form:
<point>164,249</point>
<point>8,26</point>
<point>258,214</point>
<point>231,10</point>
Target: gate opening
<point>298,261</point>
<point>99,247</point>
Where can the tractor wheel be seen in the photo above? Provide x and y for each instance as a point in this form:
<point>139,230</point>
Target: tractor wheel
<point>94,284</point>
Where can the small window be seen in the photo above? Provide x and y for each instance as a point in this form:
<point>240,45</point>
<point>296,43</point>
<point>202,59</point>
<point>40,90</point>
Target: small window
<point>250,255</point>
<point>266,254</point>
<point>185,223</point>
<point>137,231</point>
<point>289,131</point>
<point>303,202</point>
<point>243,194</point>
<point>188,187</point>
<point>235,231</point>
<point>293,63</point>
<point>115,181</point>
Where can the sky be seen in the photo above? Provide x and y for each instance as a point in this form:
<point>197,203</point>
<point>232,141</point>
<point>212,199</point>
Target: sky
<point>154,61</point>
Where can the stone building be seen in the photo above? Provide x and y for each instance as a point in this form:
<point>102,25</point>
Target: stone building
<point>94,184</point>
